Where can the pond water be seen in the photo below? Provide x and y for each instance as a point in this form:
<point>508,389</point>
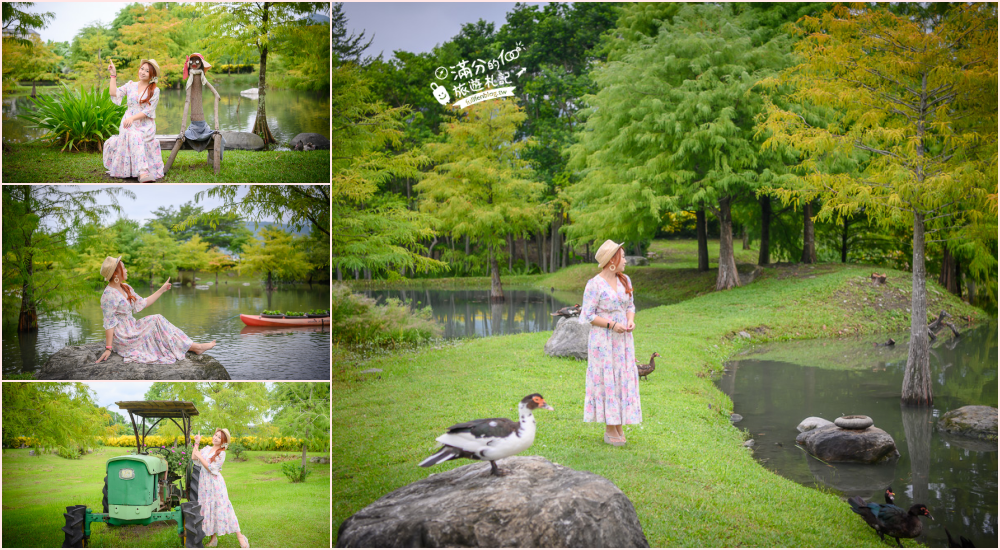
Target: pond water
<point>289,112</point>
<point>777,386</point>
<point>248,353</point>
<point>469,313</point>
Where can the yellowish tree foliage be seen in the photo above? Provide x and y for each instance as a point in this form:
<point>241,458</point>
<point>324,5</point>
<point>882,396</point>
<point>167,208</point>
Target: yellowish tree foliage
<point>921,103</point>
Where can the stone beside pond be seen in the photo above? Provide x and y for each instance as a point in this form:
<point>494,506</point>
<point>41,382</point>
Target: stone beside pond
<point>78,363</point>
<point>569,339</point>
<point>831,443</point>
<point>537,504</point>
<point>975,421</point>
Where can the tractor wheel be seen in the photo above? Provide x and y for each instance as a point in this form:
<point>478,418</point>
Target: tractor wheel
<point>75,516</point>
<point>193,482</point>
<point>104,501</point>
<point>193,533</point>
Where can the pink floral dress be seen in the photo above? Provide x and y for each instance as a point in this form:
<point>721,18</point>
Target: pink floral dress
<point>612,380</point>
<point>217,511</point>
<point>134,149</point>
<point>151,339</point>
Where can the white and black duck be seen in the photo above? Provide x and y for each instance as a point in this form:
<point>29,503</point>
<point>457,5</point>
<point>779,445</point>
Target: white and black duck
<point>490,438</point>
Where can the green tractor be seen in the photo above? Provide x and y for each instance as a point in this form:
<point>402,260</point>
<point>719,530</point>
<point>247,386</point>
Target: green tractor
<point>139,488</point>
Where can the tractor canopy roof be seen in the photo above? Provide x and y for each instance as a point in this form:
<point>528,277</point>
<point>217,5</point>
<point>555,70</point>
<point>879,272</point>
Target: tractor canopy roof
<point>159,409</point>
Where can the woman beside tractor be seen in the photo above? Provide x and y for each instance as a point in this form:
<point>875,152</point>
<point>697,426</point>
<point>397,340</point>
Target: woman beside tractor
<point>216,509</point>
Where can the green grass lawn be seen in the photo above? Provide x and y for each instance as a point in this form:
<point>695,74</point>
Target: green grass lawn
<point>272,512</point>
<point>684,468</point>
<point>39,163</point>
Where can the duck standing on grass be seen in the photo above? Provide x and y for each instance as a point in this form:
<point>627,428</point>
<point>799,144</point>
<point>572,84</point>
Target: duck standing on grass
<point>889,519</point>
<point>490,438</point>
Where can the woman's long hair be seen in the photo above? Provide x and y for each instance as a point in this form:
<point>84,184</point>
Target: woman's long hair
<point>120,274</point>
<point>225,441</point>
<point>621,276</point>
<point>148,94</point>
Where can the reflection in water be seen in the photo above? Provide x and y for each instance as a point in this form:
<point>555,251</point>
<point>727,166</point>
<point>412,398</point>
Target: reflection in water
<point>204,315</point>
<point>289,112</point>
<point>468,313</point>
<point>955,477</point>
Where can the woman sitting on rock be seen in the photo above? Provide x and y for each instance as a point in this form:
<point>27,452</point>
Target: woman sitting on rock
<point>151,339</point>
<point>134,152</point>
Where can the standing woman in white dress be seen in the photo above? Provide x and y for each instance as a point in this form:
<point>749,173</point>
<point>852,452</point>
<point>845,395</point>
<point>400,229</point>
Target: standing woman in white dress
<point>612,392</point>
<point>218,516</point>
<point>134,152</point>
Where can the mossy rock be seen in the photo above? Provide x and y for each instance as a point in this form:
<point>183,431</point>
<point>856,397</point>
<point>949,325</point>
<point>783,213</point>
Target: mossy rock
<point>976,421</point>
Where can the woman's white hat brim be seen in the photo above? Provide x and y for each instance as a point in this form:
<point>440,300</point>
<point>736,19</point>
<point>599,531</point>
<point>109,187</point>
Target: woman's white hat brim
<point>606,252</point>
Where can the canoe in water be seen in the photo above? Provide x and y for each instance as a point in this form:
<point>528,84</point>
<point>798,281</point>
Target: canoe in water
<point>258,321</point>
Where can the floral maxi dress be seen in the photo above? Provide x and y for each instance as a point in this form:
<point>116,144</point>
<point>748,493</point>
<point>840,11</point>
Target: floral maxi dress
<point>612,380</point>
<point>135,149</point>
<point>151,339</point>
<point>217,511</point>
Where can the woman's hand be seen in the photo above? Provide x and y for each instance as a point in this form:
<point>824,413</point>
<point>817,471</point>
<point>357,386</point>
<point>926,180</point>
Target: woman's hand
<point>630,325</point>
<point>197,440</point>
<point>104,356</point>
<point>111,69</point>
<point>167,286</point>
<point>128,122</point>
<point>618,327</point>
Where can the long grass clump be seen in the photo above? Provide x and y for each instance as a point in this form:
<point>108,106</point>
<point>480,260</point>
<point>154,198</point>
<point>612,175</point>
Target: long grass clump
<point>357,320</point>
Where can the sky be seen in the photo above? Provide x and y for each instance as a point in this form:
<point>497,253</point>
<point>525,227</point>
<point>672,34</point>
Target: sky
<point>151,197</point>
<point>417,27</point>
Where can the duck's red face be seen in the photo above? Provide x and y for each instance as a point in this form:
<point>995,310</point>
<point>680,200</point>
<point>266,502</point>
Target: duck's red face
<point>537,402</point>
<point>926,512</point>
<point>656,354</point>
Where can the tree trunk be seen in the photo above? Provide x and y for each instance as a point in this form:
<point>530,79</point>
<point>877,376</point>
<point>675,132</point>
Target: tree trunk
<point>843,242</point>
<point>746,238</point>
<point>28,319</point>
<point>510,253</point>
<point>565,254</point>
<point>950,277</point>
<point>702,225</point>
<point>260,123</point>
<point>586,251</point>
<point>216,279</point>
<point>728,277</point>
<point>808,235</point>
<point>917,378</point>
<point>542,266</point>
<point>764,256</point>
<point>554,243</point>
<point>524,248</point>
<point>340,276</point>
<point>496,289</point>
<point>269,285</point>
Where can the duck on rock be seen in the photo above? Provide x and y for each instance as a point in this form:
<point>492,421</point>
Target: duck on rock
<point>490,438</point>
<point>568,311</point>
<point>889,519</point>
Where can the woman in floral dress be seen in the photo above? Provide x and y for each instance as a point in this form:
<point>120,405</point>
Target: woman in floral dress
<point>134,152</point>
<point>151,339</point>
<point>612,380</point>
<point>216,510</point>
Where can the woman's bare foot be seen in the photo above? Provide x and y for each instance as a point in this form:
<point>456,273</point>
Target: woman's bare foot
<point>244,543</point>
<point>202,348</point>
<point>213,542</point>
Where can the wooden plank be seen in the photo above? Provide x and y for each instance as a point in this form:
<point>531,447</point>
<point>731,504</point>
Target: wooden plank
<point>166,141</point>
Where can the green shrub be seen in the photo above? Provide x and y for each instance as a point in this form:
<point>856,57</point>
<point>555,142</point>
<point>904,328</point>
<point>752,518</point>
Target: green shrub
<point>319,312</point>
<point>177,460</point>
<point>271,312</point>
<point>71,453</point>
<point>294,314</point>
<point>78,120</point>
<point>356,321</point>
<point>237,449</point>
<point>294,472</point>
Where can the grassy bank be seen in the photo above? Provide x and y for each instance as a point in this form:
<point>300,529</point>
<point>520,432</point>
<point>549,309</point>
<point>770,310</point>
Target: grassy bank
<point>684,468</point>
<point>39,163</point>
<point>271,511</point>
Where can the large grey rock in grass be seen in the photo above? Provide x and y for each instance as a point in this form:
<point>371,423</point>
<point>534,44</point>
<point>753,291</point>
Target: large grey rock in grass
<point>976,421</point>
<point>245,141</point>
<point>812,423</point>
<point>78,363</point>
<point>569,339</point>
<point>316,140</point>
<point>636,260</point>
<point>747,277</point>
<point>832,444</point>
<point>537,504</point>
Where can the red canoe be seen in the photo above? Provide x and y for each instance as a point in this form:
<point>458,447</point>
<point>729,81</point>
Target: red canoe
<point>258,321</point>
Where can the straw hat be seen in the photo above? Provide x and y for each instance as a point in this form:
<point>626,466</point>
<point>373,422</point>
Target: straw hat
<point>204,63</point>
<point>606,252</point>
<point>109,266</point>
<point>156,67</point>
<point>228,438</point>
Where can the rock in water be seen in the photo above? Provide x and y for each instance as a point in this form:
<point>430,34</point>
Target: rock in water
<point>317,141</point>
<point>538,504</point>
<point>569,339</point>
<point>77,363</point>
<point>976,421</point>
<point>812,423</point>
<point>832,444</point>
